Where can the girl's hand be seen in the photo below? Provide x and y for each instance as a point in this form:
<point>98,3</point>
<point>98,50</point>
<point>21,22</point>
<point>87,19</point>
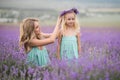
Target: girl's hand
<point>79,52</point>
<point>59,20</point>
<point>58,56</point>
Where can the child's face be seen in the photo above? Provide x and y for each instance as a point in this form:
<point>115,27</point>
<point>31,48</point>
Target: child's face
<point>37,28</point>
<point>70,19</point>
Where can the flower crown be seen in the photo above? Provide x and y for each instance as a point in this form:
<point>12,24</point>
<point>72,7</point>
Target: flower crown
<point>70,10</point>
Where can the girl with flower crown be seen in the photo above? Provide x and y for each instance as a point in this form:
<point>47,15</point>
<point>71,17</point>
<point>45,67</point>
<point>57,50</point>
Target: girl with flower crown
<point>69,46</point>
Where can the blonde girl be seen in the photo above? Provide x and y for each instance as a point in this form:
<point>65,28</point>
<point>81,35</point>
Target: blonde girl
<point>69,46</point>
<point>34,41</point>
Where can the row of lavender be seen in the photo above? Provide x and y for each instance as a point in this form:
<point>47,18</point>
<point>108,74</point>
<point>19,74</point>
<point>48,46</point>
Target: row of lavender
<point>99,59</point>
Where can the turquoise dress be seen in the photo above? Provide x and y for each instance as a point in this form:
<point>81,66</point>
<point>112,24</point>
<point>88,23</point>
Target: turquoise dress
<point>69,48</point>
<point>38,57</point>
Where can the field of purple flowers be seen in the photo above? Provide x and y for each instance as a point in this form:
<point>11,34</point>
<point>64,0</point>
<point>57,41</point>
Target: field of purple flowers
<point>99,60</point>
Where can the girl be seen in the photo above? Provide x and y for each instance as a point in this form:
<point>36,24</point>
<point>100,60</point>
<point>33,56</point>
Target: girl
<point>34,41</point>
<point>69,36</point>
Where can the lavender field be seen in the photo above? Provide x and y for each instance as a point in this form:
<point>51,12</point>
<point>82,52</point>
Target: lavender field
<point>99,60</point>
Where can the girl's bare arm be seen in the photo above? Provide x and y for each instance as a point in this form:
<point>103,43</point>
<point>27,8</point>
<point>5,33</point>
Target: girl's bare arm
<point>46,35</point>
<point>58,46</point>
<point>79,43</point>
<point>37,42</point>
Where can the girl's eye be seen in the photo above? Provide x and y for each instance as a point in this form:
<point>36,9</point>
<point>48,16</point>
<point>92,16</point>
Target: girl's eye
<point>37,26</point>
<point>69,19</point>
<point>73,18</point>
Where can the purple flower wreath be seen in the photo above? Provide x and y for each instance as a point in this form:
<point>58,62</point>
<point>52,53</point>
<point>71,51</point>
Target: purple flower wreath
<point>70,10</point>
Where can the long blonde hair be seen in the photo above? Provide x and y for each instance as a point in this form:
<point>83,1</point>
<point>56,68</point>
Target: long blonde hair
<point>76,26</point>
<point>27,32</point>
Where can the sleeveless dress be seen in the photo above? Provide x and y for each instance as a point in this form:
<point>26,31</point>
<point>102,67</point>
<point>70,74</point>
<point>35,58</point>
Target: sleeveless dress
<point>69,48</point>
<point>38,57</point>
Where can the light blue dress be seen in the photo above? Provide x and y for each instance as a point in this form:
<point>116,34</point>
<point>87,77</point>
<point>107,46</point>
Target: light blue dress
<point>38,57</point>
<point>69,48</point>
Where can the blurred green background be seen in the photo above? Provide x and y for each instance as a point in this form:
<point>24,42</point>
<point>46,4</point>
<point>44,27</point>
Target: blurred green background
<point>93,13</point>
